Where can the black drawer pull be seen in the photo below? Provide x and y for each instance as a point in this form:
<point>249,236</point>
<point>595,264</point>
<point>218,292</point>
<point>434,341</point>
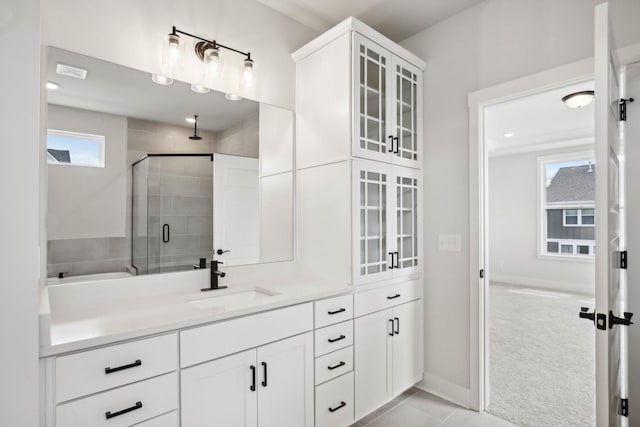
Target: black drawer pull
<point>341,405</point>
<point>123,367</point>
<point>331,368</point>
<point>264,382</point>
<point>337,311</point>
<point>110,415</point>
<point>341,337</point>
<point>253,378</point>
<point>394,297</point>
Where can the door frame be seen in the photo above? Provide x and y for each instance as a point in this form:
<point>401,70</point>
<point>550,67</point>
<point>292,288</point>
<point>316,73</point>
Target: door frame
<point>565,75</point>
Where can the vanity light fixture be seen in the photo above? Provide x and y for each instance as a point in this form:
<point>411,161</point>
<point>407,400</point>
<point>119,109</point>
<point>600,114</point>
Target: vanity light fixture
<point>578,99</point>
<point>199,88</point>
<point>52,85</point>
<point>161,80</point>
<point>195,136</point>
<point>208,51</point>
<point>232,97</point>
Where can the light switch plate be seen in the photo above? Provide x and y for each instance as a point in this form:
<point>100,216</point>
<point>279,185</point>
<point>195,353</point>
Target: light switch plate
<point>449,242</point>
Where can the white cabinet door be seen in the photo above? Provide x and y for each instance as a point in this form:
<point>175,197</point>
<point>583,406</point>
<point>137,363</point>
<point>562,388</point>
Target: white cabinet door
<point>372,347</point>
<point>406,221</point>
<point>406,116</point>
<point>372,131</point>
<point>371,221</point>
<point>406,371</point>
<point>285,383</point>
<point>219,393</point>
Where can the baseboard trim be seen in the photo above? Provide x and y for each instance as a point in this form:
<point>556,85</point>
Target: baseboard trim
<point>548,285</point>
<point>445,389</point>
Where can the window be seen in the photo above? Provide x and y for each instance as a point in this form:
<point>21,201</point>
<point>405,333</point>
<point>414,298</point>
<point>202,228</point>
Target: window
<point>75,149</point>
<point>566,205</point>
<point>578,218</point>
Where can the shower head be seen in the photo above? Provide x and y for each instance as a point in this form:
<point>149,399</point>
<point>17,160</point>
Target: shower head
<point>195,136</point>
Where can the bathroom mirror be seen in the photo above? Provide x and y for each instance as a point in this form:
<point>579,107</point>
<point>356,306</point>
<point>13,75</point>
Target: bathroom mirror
<point>137,186</point>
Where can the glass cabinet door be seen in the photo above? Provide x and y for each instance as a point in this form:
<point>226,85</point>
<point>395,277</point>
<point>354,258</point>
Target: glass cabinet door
<point>407,222</point>
<point>372,131</point>
<point>407,107</point>
<point>371,190</point>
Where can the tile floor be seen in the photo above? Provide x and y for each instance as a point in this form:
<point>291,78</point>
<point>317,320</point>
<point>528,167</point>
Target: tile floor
<point>416,408</point>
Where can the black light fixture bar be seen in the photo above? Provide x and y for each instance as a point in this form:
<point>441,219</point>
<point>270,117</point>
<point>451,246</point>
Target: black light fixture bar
<point>213,43</point>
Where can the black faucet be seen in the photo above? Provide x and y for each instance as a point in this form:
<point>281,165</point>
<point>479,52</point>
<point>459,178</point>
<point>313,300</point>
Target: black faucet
<point>215,273</point>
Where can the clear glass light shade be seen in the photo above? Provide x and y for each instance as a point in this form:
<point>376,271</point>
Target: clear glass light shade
<point>212,63</point>
<point>173,51</point>
<point>197,88</point>
<point>247,72</point>
<point>579,99</point>
<point>161,80</point>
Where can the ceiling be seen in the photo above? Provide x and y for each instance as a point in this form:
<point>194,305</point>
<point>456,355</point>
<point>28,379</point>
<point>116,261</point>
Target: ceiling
<point>539,121</point>
<point>396,19</point>
<point>115,89</point>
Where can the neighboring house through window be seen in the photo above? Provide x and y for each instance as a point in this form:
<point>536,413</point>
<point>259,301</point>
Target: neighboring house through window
<point>75,149</point>
<point>568,205</point>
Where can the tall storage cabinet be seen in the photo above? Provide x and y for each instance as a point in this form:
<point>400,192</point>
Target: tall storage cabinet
<point>359,193</point>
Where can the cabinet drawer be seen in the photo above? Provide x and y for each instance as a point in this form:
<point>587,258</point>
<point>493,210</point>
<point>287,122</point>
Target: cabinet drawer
<point>334,310</point>
<point>334,402</point>
<point>220,339</point>
<point>334,337</point>
<point>108,367</point>
<point>166,420</point>
<point>123,406</point>
<point>385,297</point>
<point>334,364</point>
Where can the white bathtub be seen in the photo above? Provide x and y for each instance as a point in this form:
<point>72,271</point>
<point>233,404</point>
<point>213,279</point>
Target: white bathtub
<point>88,277</point>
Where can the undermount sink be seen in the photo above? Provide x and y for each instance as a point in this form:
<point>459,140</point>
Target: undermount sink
<point>245,298</point>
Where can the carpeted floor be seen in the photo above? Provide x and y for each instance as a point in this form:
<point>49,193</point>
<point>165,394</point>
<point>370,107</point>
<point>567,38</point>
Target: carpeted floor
<point>542,363</point>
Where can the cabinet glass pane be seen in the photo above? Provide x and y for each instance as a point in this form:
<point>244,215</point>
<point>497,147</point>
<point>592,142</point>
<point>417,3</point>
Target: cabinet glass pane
<point>373,219</point>
<point>372,97</point>
<point>407,221</point>
<point>406,113</point>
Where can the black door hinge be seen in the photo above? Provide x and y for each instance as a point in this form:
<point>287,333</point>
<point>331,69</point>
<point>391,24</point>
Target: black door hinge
<point>482,273</point>
<point>622,106</point>
<point>621,259</point>
<point>624,407</point>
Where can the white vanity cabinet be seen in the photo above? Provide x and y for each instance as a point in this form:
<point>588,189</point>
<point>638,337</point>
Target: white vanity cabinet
<point>387,346</point>
<point>270,386</point>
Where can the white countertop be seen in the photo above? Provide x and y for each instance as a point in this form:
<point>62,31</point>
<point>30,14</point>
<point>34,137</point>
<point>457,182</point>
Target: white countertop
<point>87,315</point>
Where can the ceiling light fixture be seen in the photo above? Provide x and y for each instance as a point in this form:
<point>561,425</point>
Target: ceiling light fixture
<point>52,85</point>
<point>232,97</point>
<point>190,120</point>
<point>195,136</point>
<point>161,80</point>
<point>208,51</point>
<point>578,99</point>
<point>508,134</point>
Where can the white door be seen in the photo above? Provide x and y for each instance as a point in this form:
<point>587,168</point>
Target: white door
<point>236,209</point>
<point>372,231</point>
<point>406,222</point>
<point>405,371</point>
<point>406,113</point>
<point>611,338</point>
<point>372,353</point>
<point>285,372</point>
<point>221,392</point>
<point>372,102</point>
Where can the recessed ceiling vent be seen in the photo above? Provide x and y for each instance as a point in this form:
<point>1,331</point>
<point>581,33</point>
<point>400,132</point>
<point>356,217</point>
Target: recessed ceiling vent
<point>69,71</point>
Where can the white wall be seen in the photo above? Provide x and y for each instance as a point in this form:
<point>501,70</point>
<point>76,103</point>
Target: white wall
<point>19,175</point>
<point>86,202</point>
<point>513,230</point>
<point>493,42</point>
<point>131,32</point>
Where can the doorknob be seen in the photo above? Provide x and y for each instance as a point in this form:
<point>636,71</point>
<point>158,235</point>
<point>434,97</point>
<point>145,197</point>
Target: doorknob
<point>584,314</point>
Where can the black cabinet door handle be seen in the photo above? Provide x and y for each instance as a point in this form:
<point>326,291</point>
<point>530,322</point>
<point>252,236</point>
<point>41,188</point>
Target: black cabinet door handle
<point>341,310</point>
<point>332,340</point>
<point>391,333</point>
<point>264,370</point>
<point>397,331</point>
<point>110,414</point>
<point>392,262</point>
<point>397,265</point>
<point>390,150</point>
<point>253,378</point>
<point>109,370</point>
<point>395,138</point>
<point>341,405</point>
<point>394,296</point>
<point>166,233</point>
<point>331,368</point>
